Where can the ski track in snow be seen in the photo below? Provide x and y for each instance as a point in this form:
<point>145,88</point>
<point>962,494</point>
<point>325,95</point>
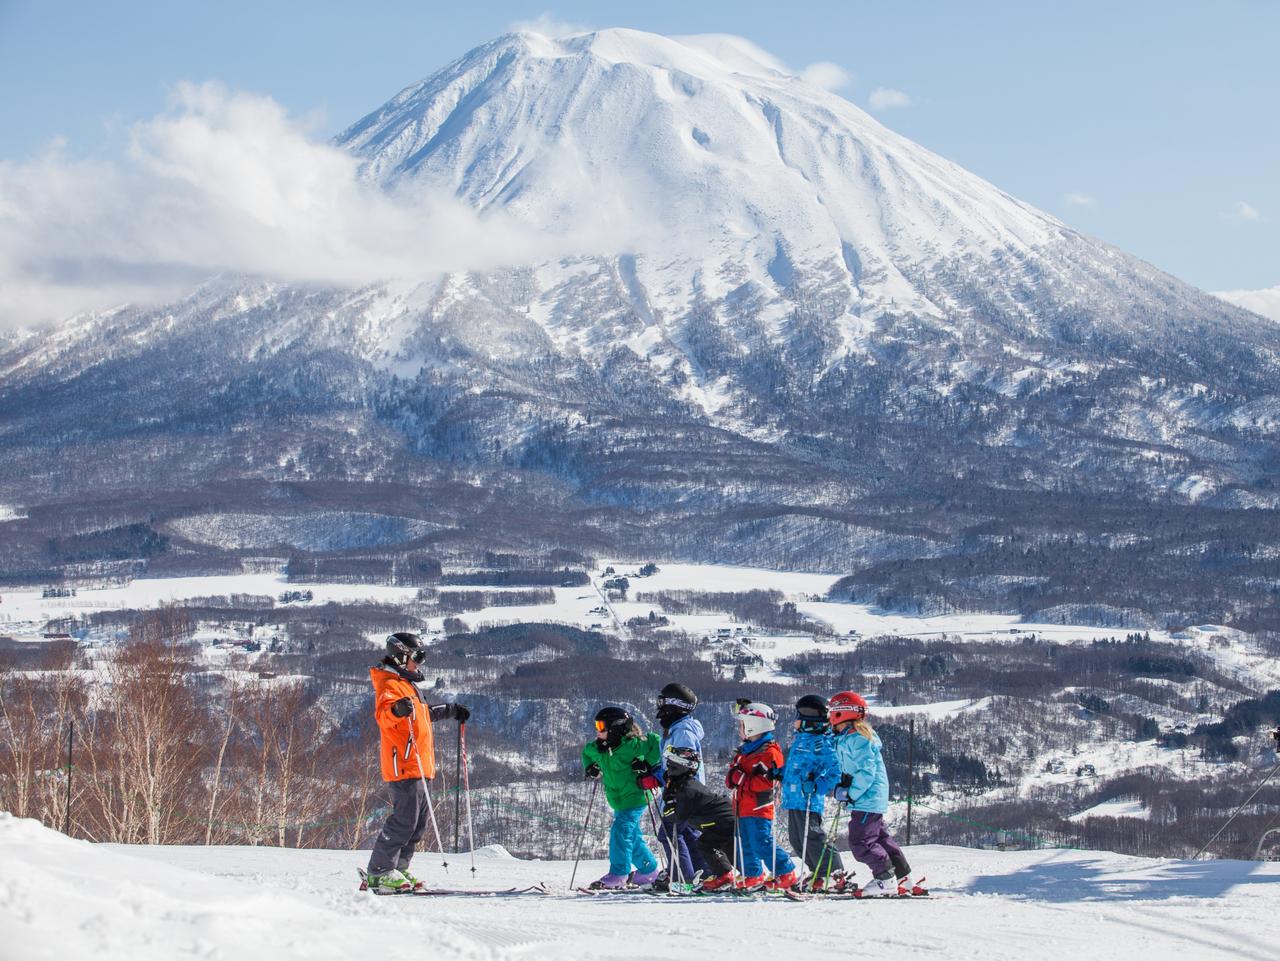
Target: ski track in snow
<point>62,898</point>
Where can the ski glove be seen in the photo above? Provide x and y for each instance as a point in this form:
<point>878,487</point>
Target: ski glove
<point>648,782</point>
<point>760,769</point>
<point>641,766</point>
<point>735,777</point>
<point>846,780</point>
<point>842,793</point>
<point>460,714</point>
<point>402,707</point>
<point>593,771</point>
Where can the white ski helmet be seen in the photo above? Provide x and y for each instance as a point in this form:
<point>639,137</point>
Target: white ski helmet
<point>755,719</point>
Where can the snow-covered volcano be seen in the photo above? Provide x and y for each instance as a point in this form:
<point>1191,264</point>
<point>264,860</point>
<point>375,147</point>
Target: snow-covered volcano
<point>765,328</point>
<point>706,147</point>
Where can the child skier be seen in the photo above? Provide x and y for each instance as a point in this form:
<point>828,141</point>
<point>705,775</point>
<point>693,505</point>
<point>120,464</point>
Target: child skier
<point>686,800</point>
<point>613,755</point>
<point>679,729</point>
<point>864,786</point>
<point>408,759</point>
<point>752,774</point>
<point>812,773</point>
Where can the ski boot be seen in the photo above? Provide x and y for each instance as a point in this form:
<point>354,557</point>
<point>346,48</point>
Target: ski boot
<point>646,879</point>
<point>389,882</point>
<point>783,882</point>
<point>715,884</point>
<point>610,882</point>
<point>881,886</point>
<point>755,883</point>
<point>917,890</point>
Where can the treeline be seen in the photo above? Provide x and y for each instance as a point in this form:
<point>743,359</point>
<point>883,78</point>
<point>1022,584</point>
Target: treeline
<point>767,609</point>
<point>162,754</point>
<point>1180,816</point>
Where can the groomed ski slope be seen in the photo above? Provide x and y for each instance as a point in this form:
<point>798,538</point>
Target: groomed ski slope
<point>62,898</point>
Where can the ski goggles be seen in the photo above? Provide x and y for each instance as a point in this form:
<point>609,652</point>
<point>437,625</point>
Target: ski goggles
<point>675,702</point>
<point>601,727</point>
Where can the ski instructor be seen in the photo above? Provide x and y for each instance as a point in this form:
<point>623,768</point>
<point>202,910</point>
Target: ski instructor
<point>408,759</point>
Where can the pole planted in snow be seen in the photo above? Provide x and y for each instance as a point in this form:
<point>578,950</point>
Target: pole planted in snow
<point>66,820</point>
<point>911,771</point>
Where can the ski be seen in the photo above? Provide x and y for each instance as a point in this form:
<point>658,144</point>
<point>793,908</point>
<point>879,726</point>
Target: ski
<point>463,892</point>
<point>613,892</point>
<point>539,888</point>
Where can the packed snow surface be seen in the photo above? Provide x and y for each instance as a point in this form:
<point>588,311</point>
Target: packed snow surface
<point>62,898</point>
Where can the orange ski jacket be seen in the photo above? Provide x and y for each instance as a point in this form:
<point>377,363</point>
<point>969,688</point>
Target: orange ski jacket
<point>405,740</point>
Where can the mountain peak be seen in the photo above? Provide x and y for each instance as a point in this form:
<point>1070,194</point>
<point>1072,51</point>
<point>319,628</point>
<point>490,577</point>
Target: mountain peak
<point>702,146</point>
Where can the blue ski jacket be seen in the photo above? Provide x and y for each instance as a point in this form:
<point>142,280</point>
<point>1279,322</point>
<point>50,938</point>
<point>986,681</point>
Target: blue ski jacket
<point>860,757</point>
<point>686,732</point>
<point>812,771</point>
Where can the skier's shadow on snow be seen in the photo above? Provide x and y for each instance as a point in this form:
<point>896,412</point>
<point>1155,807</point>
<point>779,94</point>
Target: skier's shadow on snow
<point>1075,878</point>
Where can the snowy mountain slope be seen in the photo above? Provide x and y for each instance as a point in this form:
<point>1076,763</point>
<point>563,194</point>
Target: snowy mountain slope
<point>1264,302</point>
<point>66,898</point>
<point>784,335</point>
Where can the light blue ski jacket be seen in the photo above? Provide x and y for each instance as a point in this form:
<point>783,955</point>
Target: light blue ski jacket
<point>860,757</point>
<point>686,732</point>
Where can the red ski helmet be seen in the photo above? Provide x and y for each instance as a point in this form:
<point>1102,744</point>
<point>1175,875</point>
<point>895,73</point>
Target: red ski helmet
<point>846,706</point>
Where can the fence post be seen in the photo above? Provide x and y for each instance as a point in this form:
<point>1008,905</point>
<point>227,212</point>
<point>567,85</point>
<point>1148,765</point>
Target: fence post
<point>66,817</point>
<point>911,771</point>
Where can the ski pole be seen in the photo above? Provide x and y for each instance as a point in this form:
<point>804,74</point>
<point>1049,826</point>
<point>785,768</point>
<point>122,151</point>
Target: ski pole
<point>595,789</point>
<point>431,812</point>
<point>739,857</point>
<point>1236,811</point>
<point>457,782</point>
<point>422,776</point>
<point>466,790</point>
<point>804,843</point>
<point>831,837</point>
<point>653,822</point>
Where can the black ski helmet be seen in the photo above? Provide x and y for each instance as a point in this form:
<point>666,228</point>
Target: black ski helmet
<point>674,702</point>
<point>679,695</point>
<point>403,647</point>
<point>681,761</point>
<point>812,712</point>
<point>612,725</point>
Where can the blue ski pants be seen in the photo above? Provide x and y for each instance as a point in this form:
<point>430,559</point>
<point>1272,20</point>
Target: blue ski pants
<point>759,849</point>
<point>686,856</point>
<point>627,847</point>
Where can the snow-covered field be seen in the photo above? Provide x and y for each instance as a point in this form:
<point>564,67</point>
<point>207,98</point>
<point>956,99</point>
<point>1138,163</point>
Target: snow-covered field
<point>65,899</point>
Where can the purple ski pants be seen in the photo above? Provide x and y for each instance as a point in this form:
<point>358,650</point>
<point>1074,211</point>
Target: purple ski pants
<point>873,845</point>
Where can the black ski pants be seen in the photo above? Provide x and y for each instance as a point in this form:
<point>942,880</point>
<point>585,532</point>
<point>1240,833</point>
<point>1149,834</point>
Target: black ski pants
<point>820,855</point>
<point>404,828</point>
<point>716,849</point>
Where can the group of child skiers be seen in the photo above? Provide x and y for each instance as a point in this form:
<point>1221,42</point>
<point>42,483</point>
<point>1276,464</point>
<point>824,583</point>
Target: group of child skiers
<point>710,841</point>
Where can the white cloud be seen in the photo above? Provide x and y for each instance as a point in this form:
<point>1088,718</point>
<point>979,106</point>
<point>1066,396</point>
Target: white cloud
<point>548,25</point>
<point>827,75</point>
<point>886,98</point>
<point>1247,212</point>
<point>226,182</point>
<point>1080,200</point>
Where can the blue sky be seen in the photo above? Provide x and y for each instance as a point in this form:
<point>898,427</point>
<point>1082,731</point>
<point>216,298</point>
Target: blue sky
<point>1153,125</point>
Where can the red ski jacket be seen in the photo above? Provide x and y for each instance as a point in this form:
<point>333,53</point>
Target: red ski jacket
<point>753,793</point>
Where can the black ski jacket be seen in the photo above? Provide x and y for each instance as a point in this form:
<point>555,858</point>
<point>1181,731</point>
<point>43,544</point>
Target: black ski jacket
<point>687,800</point>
